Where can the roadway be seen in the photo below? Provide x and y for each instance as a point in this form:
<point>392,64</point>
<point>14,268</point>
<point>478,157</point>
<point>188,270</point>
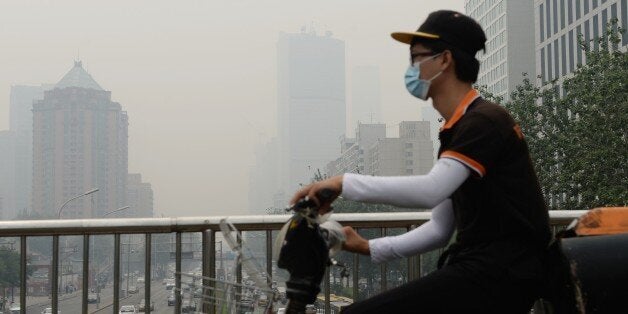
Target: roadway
<point>159,296</point>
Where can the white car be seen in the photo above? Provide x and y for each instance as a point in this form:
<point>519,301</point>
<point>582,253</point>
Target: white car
<point>128,309</point>
<point>140,280</point>
<point>47,310</point>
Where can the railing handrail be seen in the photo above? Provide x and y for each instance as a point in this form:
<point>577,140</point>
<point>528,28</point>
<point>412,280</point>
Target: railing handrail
<point>203,223</point>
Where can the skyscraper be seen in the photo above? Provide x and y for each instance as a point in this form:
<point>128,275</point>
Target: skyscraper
<point>80,142</point>
<point>7,175</point>
<point>366,106</point>
<point>557,26</point>
<point>21,124</point>
<point>311,104</point>
<point>510,43</point>
<point>139,198</point>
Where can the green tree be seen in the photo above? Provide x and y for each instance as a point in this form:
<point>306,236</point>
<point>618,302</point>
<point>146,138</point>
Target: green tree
<point>578,140</point>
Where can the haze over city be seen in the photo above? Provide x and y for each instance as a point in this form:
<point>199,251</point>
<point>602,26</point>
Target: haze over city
<point>198,78</point>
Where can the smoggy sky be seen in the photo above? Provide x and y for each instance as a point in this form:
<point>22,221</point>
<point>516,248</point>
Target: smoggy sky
<point>198,78</point>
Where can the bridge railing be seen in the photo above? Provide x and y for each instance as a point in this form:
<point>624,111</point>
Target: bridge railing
<point>208,227</point>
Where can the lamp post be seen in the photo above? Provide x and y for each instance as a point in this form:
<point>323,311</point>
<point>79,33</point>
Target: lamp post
<point>59,217</point>
<point>78,196</point>
<point>93,245</point>
<point>115,211</point>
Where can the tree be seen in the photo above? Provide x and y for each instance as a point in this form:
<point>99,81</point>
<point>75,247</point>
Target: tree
<point>578,140</point>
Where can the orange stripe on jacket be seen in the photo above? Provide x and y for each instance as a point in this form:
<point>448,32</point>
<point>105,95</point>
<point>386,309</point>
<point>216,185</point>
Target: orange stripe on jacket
<point>465,160</point>
<point>461,109</point>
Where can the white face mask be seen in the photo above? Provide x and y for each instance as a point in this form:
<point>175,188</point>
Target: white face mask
<point>416,86</point>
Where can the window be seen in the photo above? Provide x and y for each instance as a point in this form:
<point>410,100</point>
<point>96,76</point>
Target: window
<point>596,33</point>
<point>604,20</point>
<point>624,21</point>
<point>556,60</point>
<point>571,44</point>
<point>594,5</point>
<point>548,27</point>
<point>555,16</point>
<point>562,14</point>
<point>578,48</point>
<point>542,28</point>
<point>543,78</point>
<point>587,35</point>
<point>549,62</point>
<point>578,9</point>
<point>586,7</point>
<point>569,12</point>
<point>614,16</point>
<point>564,54</point>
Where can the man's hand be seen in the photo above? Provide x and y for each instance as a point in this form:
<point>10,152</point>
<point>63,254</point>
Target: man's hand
<point>355,242</point>
<point>333,184</point>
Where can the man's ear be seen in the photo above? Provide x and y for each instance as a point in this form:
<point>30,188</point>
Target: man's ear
<point>447,61</point>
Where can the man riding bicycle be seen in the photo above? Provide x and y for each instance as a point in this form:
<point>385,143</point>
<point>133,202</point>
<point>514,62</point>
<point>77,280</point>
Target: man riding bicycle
<point>483,186</point>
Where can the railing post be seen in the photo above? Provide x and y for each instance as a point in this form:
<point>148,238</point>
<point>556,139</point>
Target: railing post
<point>269,256</point>
<point>85,273</point>
<point>147,272</point>
<point>356,266</point>
<point>209,247</point>
<point>383,269</point>
<point>238,276</point>
<point>55,274</point>
<point>327,291</point>
<point>116,272</point>
<point>410,262</point>
<point>23,267</point>
<point>177,276</point>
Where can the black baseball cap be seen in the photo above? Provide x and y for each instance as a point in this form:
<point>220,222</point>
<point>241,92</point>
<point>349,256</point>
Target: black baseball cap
<point>451,27</point>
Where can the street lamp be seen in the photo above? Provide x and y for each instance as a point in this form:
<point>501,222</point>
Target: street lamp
<point>92,246</point>
<point>116,210</point>
<point>59,215</point>
<point>78,196</point>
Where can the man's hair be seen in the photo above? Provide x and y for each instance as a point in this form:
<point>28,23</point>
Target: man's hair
<point>467,66</point>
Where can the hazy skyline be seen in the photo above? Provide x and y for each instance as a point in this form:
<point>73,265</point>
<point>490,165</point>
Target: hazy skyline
<point>198,78</point>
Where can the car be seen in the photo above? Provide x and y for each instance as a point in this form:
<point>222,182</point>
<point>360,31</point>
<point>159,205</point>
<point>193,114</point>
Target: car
<point>133,289</point>
<point>140,280</point>
<point>169,285</point>
<point>142,306</point>
<point>263,300</point>
<point>47,310</point>
<point>93,298</point>
<point>171,299</point>
<point>188,306</point>
<point>128,309</point>
<point>198,293</point>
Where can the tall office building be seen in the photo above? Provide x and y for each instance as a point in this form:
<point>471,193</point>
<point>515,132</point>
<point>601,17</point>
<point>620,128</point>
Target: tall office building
<point>80,142</point>
<point>366,104</point>
<point>7,175</point>
<point>557,26</point>
<point>311,104</point>
<point>509,45</point>
<point>139,198</point>
<point>263,178</point>
<point>21,124</point>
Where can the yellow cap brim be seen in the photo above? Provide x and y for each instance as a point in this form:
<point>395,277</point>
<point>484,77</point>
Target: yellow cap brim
<point>407,37</point>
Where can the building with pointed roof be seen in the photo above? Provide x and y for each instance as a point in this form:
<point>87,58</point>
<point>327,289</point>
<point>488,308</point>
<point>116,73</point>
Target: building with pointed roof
<point>80,142</point>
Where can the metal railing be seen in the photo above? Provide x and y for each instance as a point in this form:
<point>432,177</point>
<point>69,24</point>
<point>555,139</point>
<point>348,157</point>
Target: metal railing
<point>208,227</point>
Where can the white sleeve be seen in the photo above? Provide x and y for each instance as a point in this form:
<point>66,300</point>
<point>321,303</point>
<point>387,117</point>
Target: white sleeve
<point>424,191</point>
<point>429,236</point>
